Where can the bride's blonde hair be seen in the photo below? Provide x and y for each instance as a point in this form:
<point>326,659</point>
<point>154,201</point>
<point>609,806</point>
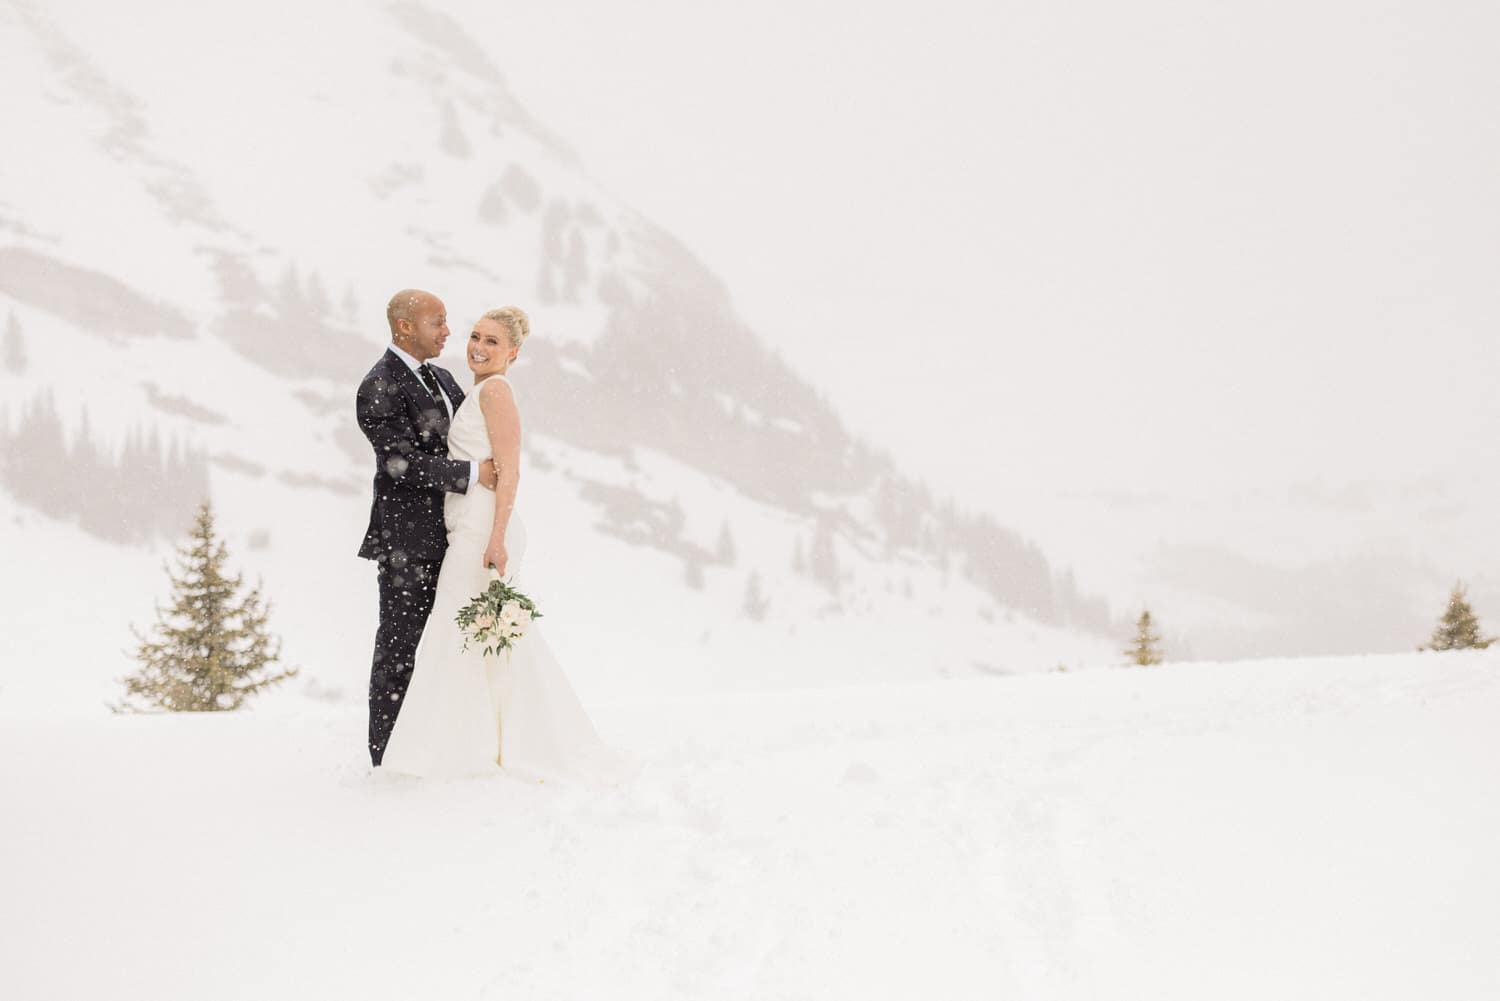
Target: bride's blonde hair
<point>514,320</point>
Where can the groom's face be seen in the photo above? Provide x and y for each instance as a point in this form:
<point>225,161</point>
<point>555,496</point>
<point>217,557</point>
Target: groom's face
<point>428,328</point>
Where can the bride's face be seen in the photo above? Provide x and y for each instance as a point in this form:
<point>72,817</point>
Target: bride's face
<point>489,348</point>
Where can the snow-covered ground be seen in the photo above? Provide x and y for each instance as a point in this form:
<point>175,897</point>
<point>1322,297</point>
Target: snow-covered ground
<point>1318,829</point>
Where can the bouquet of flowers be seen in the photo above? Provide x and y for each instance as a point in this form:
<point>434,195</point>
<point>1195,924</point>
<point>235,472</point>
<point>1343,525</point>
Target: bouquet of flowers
<point>497,617</point>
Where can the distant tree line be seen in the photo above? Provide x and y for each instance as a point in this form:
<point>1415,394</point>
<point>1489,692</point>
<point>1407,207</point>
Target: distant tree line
<point>147,488</point>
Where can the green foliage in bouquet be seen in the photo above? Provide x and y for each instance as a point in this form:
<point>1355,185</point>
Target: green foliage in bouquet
<point>497,617</point>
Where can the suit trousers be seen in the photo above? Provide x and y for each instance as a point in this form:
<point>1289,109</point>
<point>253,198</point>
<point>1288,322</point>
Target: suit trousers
<point>406,596</point>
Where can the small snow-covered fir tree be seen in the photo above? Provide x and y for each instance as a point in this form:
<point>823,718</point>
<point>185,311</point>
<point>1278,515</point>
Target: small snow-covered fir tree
<point>350,306</point>
<point>291,301</point>
<point>1145,650</point>
<point>724,550</point>
<point>15,347</point>
<point>316,296</point>
<point>822,563</point>
<point>546,288</point>
<point>757,604</point>
<point>1458,629</point>
<point>210,650</point>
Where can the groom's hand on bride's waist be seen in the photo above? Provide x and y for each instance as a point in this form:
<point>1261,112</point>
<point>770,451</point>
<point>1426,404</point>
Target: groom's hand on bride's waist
<point>487,477</point>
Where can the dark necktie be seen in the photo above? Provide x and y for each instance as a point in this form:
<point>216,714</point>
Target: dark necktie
<point>430,380</point>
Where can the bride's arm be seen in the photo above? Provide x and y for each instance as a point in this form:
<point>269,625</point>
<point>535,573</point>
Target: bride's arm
<point>502,422</point>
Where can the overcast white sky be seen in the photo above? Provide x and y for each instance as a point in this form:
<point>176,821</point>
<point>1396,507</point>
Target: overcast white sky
<point>1084,244</point>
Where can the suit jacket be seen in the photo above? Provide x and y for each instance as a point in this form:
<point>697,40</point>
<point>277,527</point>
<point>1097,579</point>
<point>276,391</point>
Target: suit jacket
<point>409,431</point>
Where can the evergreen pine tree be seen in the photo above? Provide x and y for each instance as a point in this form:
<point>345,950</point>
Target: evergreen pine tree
<point>724,551</point>
<point>31,469</point>
<point>210,651</point>
<point>15,347</point>
<point>452,137</point>
<point>822,562</point>
<point>756,602</point>
<point>1146,649</point>
<point>676,519</point>
<point>316,296</point>
<point>290,299</point>
<point>152,474</point>
<point>693,573</point>
<point>546,288</point>
<point>1458,629</point>
<point>133,494</point>
<point>492,207</point>
<point>575,266</point>
<point>96,508</point>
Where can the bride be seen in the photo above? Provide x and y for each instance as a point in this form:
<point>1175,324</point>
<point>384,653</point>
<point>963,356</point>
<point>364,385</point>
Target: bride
<point>466,713</point>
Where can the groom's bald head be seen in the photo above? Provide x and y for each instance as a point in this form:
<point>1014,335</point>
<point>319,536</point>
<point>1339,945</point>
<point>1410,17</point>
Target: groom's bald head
<point>404,305</point>
<point>418,321</point>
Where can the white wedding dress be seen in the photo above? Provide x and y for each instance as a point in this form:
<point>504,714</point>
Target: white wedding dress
<point>470,714</point>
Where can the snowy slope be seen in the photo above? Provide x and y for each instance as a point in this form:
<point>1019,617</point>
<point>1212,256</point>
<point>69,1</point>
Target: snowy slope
<point>1293,829</point>
<point>195,255</point>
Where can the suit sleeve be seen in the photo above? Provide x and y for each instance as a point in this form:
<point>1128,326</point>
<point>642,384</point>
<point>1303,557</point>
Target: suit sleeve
<point>383,419</point>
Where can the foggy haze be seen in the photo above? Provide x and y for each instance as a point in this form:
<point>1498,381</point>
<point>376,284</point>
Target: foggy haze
<point>1284,216</point>
<point>987,468</point>
<point>1215,276</point>
<point>1188,300</point>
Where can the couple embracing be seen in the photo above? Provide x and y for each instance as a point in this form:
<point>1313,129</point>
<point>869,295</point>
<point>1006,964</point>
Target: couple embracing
<point>447,467</point>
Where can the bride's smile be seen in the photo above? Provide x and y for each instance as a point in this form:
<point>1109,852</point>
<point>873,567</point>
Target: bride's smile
<point>490,349</point>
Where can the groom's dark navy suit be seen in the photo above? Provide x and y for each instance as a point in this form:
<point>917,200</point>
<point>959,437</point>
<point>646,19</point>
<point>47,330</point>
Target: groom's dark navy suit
<point>408,428</point>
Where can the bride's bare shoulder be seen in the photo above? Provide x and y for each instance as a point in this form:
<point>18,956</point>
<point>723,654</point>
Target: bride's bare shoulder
<point>496,387</point>
<point>496,396</point>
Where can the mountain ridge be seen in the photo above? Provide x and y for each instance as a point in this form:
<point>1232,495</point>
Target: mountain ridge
<point>641,350</point>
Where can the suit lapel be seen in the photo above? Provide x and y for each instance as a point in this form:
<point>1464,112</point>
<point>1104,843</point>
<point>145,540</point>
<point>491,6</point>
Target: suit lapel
<point>432,416</point>
<point>451,387</point>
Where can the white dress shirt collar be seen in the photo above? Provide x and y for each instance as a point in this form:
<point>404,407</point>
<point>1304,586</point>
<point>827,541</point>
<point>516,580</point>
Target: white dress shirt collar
<point>415,365</point>
<point>411,362</point>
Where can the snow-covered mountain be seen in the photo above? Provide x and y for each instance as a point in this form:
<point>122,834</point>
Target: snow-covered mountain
<point>198,233</point>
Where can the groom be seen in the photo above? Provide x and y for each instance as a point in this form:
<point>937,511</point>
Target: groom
<point>404,407</point>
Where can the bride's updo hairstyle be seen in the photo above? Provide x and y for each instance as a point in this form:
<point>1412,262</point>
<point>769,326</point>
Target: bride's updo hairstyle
<point>514,320</point>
